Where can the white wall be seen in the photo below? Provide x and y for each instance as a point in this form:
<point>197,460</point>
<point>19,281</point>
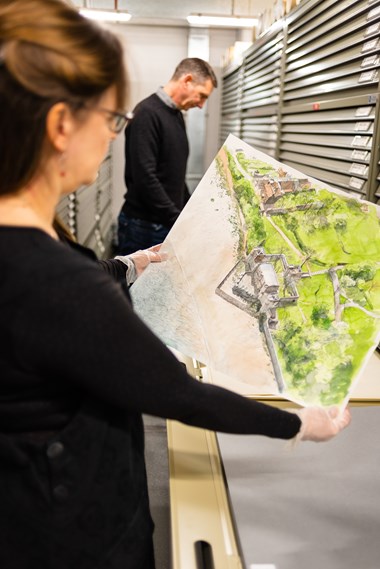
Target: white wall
<point>220,41</point>
<point>152,53</point>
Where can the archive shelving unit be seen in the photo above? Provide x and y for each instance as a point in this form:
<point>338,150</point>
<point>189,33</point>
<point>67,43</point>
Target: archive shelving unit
<point>88,212</point>
<point>307,93</point>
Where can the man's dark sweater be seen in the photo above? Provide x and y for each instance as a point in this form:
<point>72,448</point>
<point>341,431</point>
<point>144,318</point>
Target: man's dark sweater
<point>156,153</point>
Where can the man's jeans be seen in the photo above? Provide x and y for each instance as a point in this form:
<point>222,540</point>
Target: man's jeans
<point>135,234</point>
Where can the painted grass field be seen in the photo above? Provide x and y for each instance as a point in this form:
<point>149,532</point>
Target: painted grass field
<point>323,340</point>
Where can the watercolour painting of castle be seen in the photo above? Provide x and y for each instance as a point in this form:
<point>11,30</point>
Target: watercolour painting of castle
<point>272,280</point>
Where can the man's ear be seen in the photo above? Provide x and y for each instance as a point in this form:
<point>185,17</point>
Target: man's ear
<point>59,126</point>
<point>188,78</point>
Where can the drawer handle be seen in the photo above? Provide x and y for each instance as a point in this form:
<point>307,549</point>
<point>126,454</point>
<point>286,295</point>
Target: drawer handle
<point>203,555</point>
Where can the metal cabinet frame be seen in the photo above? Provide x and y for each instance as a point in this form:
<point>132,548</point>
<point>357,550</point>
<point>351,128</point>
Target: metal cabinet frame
<point>302,86</point>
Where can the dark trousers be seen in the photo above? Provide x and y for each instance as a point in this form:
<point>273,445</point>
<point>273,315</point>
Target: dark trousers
<point>135,234</point>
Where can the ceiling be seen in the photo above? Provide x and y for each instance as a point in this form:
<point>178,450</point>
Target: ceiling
<point>177,10</point>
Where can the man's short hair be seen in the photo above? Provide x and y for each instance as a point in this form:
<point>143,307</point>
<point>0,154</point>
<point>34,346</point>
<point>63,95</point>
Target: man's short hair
<point>200,69</point>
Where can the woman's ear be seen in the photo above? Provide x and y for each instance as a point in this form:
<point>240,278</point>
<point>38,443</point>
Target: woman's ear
<point>59,126</point>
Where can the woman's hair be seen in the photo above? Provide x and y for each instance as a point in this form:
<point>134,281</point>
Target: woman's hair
<point>48,53</point>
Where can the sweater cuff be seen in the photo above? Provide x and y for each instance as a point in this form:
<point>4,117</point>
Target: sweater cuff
<point>131,274</point>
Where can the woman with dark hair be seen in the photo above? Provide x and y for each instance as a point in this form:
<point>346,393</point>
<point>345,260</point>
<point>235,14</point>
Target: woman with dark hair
<point>77,366</point>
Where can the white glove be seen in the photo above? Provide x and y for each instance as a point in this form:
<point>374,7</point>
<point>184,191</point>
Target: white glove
<point>137,262</point>
<point>321,424</point>
<point>141,259</point>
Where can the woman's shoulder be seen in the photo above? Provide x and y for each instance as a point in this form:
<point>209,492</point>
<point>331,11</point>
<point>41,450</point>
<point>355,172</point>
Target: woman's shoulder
<point>32,253</point>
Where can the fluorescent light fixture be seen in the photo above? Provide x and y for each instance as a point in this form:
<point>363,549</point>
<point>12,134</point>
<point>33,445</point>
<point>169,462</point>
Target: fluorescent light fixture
<point>105,16</point>
<point>229,21</point>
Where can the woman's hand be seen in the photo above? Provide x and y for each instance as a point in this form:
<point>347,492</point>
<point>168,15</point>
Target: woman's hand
<point>321,424</point>
<point>142,258</point>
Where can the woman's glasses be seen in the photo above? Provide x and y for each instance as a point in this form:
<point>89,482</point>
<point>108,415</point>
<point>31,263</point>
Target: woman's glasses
<point>116,121</point>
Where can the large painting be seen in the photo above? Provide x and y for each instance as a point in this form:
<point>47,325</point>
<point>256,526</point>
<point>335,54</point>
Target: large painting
<point>272,280</point>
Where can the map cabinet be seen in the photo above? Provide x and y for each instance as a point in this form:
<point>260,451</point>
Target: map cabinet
<point>307,93</point>
<point>250,502</point>
<point>88,212</point>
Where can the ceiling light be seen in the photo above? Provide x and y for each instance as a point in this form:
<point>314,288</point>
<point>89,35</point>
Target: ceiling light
<point>229,21</point>
<point>105,16</point>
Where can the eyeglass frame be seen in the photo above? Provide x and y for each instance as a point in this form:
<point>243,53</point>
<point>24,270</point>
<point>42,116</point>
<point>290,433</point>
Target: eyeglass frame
<point>124,119</point>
